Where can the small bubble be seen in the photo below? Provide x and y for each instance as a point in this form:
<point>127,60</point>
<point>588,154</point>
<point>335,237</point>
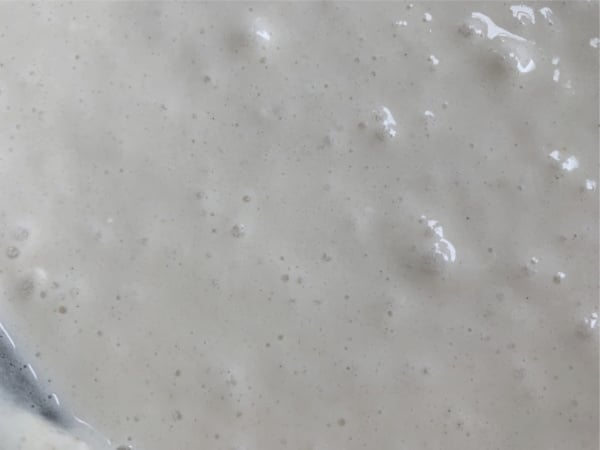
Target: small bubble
<point>27,287</point>
<point>341,421</point>
<point>12,252</point>
<point>177,415</point>
<point>21,234</point>
<point>590,185</point>
<point>238,231</point>
<point>530,268</point>
<point>559,277</point>
<point>591,321</point>
<point>246,198</point>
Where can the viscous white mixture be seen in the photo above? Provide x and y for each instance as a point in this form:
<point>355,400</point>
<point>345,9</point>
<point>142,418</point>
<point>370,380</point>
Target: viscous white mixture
<point>303,226</point>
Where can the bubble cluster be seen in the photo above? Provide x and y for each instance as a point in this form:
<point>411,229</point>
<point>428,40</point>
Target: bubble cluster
<point>385,123</point>
<point>566,163</point>
<point>442,251</point>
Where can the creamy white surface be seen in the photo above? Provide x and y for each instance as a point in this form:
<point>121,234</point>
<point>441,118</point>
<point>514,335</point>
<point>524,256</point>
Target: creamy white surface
<point>20,430</point>
<point>306,226</point>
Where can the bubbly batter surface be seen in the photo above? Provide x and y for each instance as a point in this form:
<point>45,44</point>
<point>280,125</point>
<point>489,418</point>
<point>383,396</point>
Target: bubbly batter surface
<point>304,226</point>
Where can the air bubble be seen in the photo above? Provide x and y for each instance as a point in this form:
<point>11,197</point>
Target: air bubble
<point>592,321</point>
<point>547,14</point>
<point>262,31</point>
<point>27,287</point>
<point>590,185</point>
<point>237,231</point>
<point>21,234</point>
<point>531,267</point>
<point>523,14</point>
<point>509,45</point>
<point>525,63</point>
<point>588,325</point>
<point>429,117</point>
<point>386,124</point>
<point>441,251</point>
<point>566,163</point>
<point>492,31</point>
<point>559,277</point>
<point>12,252</point>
